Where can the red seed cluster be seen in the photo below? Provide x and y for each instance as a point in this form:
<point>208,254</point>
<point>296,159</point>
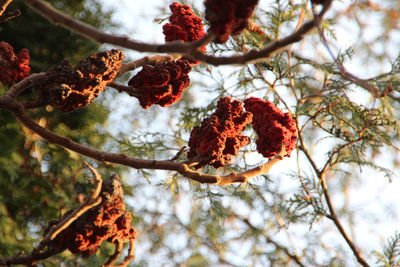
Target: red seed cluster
<point>13,68</point>
<point>161,84</point>
<point>274,128</point>
<point>218,137</point>
<point>68,89</point>
<point>184,25</point>
<point>228,16</point>
<point>109,221</point>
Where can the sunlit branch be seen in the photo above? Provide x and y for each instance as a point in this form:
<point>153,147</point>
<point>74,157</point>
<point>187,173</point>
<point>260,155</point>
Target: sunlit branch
<point>4,16</point>
<point>18,110</point>
<point>189,49</point>
<point>146,61</point>
<point>3,5</point>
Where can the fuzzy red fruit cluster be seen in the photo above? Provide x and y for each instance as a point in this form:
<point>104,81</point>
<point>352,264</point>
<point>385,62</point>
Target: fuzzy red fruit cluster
<point>161,84</point>
<point>218,136</point>
<point>109,221</point>
<point>13,68</point>
<point>228,17</point>
<point>274,128</point>
<point>68,89</point>
<point>184,25</point>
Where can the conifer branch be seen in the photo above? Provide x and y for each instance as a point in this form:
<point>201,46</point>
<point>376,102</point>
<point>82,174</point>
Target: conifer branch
<point>338,224</point>
<point>332,213</point>
<point>293,256</point>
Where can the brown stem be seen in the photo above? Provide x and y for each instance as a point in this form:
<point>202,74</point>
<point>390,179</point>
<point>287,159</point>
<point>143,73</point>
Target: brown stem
<point>130,255</point>
<point>17,109</point>
<point>343,71</point>
<point>28,259</point>
<point>336,221</point>
<point>332,214</point>
<point>18,88</point>
<point>114,257</point>
<point>9,15</point>
<point>128,89</point>
<point>3,5</point>
<point>145,61</point>
<point>329,163</point>
<point>188,48</point>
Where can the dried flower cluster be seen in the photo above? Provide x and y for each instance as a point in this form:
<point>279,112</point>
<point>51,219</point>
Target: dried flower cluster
<point>163,83</point>
<point>228,17</point>
<point>68,89</point>
<point>275,129</point>
<point>218,137</point>
<point>109,221</point>
<point>13,68</point>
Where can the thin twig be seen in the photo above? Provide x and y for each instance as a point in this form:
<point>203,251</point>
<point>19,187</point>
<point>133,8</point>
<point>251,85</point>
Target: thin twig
<point>114,257</point>
<point>9,15</point>
<point>339,226</point>
<point>180,152</point>
<point>343,71</point>
<point>293,256</point>
<point>128,89</point>
<point>146,61</point>
<point>130,255</point>
<point>332,214</point>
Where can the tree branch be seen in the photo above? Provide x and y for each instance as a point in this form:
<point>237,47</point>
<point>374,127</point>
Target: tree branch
<point>3,5</point>
<point>189,49</point>
<point>7,103</point>
<point>127,89</point>
<point>146,61</point>
<point>18,88</point>
<point>338,224</point>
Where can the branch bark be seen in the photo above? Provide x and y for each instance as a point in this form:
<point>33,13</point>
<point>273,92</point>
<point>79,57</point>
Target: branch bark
<point>189,49</point>
<point>7,103</point>
<point>3,5</point>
